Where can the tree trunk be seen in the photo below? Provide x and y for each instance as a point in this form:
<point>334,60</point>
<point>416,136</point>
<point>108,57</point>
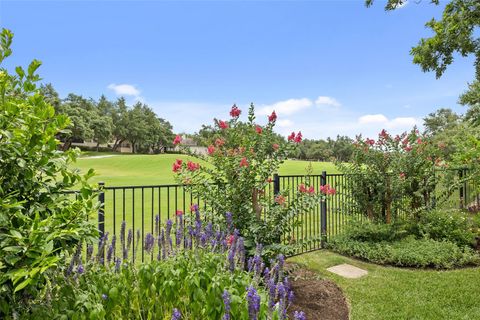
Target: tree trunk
<point>98,145</point>
<point>256,206</point>
<point>370,211</point>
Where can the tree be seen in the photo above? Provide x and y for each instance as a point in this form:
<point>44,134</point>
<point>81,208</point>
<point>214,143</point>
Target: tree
<point>471,98</point>
<point>440,120</point>
<point>455,32</point>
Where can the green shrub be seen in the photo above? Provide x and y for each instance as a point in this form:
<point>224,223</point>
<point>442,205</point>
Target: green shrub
<point>376,231</point>
<point>451,225</point>
<point>39,223</point>
<point>408,252</point>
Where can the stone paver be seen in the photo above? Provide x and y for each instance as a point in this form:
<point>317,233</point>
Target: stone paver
<point>348,271</point>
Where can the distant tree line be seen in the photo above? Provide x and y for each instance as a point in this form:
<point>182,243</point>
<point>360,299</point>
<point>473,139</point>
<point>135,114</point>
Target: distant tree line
<point>339,149</point>
<point>110,122</point>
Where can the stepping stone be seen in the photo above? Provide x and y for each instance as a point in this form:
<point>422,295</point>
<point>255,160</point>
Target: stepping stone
<point>348,271</point>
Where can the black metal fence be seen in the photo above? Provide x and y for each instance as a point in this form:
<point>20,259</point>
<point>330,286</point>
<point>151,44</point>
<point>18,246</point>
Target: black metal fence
<point>140,206</point>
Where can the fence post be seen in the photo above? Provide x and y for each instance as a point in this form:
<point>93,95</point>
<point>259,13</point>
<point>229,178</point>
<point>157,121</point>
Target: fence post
<point>101,210</point>
<point>276,184</point>
<point>323,212</point>
<point>461,191</point>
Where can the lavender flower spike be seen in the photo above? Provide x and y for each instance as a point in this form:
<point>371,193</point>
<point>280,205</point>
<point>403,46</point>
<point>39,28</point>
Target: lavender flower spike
<point>226,302</point>
<point>176,315</point>
<point>253,300</point>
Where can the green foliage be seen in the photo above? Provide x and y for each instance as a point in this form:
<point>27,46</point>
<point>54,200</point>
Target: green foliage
<point>192,282</point>
<point>439,239</point>
<point>39,222</point>
<point>452,225</point>
<point>409,252</point>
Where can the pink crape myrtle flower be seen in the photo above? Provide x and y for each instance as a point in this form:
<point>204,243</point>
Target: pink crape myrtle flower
<point>244,162</point>
<point>222,124</point>
<point>177,140</point>
<point>235,112</point>
<point>272,117</point>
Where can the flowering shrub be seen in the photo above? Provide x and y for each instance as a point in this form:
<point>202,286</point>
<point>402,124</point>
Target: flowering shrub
<point>196,272</point>
<point>391,173</point>
<point>242,158</point>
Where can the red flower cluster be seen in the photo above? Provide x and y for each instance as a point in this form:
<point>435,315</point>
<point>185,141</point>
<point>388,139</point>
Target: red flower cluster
<point>258,129</point>
<point>222,124</point>
<point>177,140</point>
<point>402,175</point>
<point>295,138</point>
<point>370,142</point>
<point>179,212</point>
<point>302,188</point>
<point>408,148</point>
<point>177,165</point>
<point>192,166</point>
<point>272,117</point>
<point>211,149</point>
<point>244,162</point>
<point>383,134</point>
<point>235,112</point>
<point>280,200</point>
<point>326,189</point>
<point>230,239</point>
<point>275,146</point>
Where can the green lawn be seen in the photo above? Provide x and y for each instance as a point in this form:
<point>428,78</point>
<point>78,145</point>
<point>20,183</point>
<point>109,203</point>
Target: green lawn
<point>128,169</point>
<point>394,293</point>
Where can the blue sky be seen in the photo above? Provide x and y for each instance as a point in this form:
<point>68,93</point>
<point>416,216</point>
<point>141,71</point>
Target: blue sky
<point>326,67</point>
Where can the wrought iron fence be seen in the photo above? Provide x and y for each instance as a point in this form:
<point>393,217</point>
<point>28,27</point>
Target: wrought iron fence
<point>139,206</point>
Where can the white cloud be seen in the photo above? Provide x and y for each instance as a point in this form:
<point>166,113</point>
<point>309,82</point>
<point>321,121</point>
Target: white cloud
<point>284,123</point>
<point>372,118</point>
<point>395,123</point>
<point>286,107</point>
<point>124,89</point>
<point>327,101</point>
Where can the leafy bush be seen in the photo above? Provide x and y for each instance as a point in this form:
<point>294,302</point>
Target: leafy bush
<point>451,225</point>
<point>375,232</point>
<point>38,221</point>
<point>242,158</point>
<point>409,252</point>
<point>196,273</point>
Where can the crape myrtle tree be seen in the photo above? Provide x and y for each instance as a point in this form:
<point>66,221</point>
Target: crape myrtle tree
<point>391,173</point>
<point>239,166</point>
<point>39,222</point>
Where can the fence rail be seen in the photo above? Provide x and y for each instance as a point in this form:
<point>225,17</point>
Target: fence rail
<point>139,207</point>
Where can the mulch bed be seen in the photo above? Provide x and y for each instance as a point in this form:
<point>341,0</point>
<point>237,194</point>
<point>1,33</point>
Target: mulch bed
<point>318,298</point>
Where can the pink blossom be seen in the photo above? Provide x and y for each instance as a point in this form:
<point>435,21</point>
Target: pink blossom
<point>219,142</point>
<point>179,212</point>
<point>275,146</point>
<point>272,117</point>
<point>192,166</point>
<point>370,142</point>
<point>222,124</point>
<point>280,199</point>
<point>177,140</point>
<point>235,112</point>
<point>258,129</point>
<point>291,137</point>
<point>298,137</point>
<point>211,149</point>
<point>244,162</point>
<point>177,165</point>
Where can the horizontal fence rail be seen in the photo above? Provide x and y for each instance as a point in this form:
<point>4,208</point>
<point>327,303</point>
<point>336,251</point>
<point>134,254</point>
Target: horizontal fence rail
<point>144,207</point>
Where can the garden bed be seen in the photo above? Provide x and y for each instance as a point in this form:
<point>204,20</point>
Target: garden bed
<point>318,298</point>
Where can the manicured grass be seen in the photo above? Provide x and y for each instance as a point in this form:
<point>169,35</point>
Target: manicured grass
<point>127,169</point>
<point>394,293</point>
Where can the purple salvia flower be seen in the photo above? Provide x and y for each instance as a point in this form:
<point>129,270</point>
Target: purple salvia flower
<point>109,253</point>
<point>168,236</point>
<point>159,243</point>
<point>179,231</point>
<point>266,274</point>
<point>89,252</point>
<point>229,220</point>
<point>291,297</point>
<point>253,300</point>
<point>241,253</point>
<point>203,239</point>
<point>117,264</point>
<point>198,230</point>
<point>164,246</point>
<point>75,259</point>
<point>129,244</point>
<point>149,242</point>
<point>272,290</point>
<point>137,243</point>
<point>209,230</point>
<point>122,235</point>
<point>80,269</point>
<point>176,315</point>
<point>299,315</point>
<point>257,265</point>
<point>226,302</point>
<point>101,248</point>
<point>281,263</point>
<point>282,294</point>
<point>250,264</point>
<point>157,225</point>
<point>231,259</point>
